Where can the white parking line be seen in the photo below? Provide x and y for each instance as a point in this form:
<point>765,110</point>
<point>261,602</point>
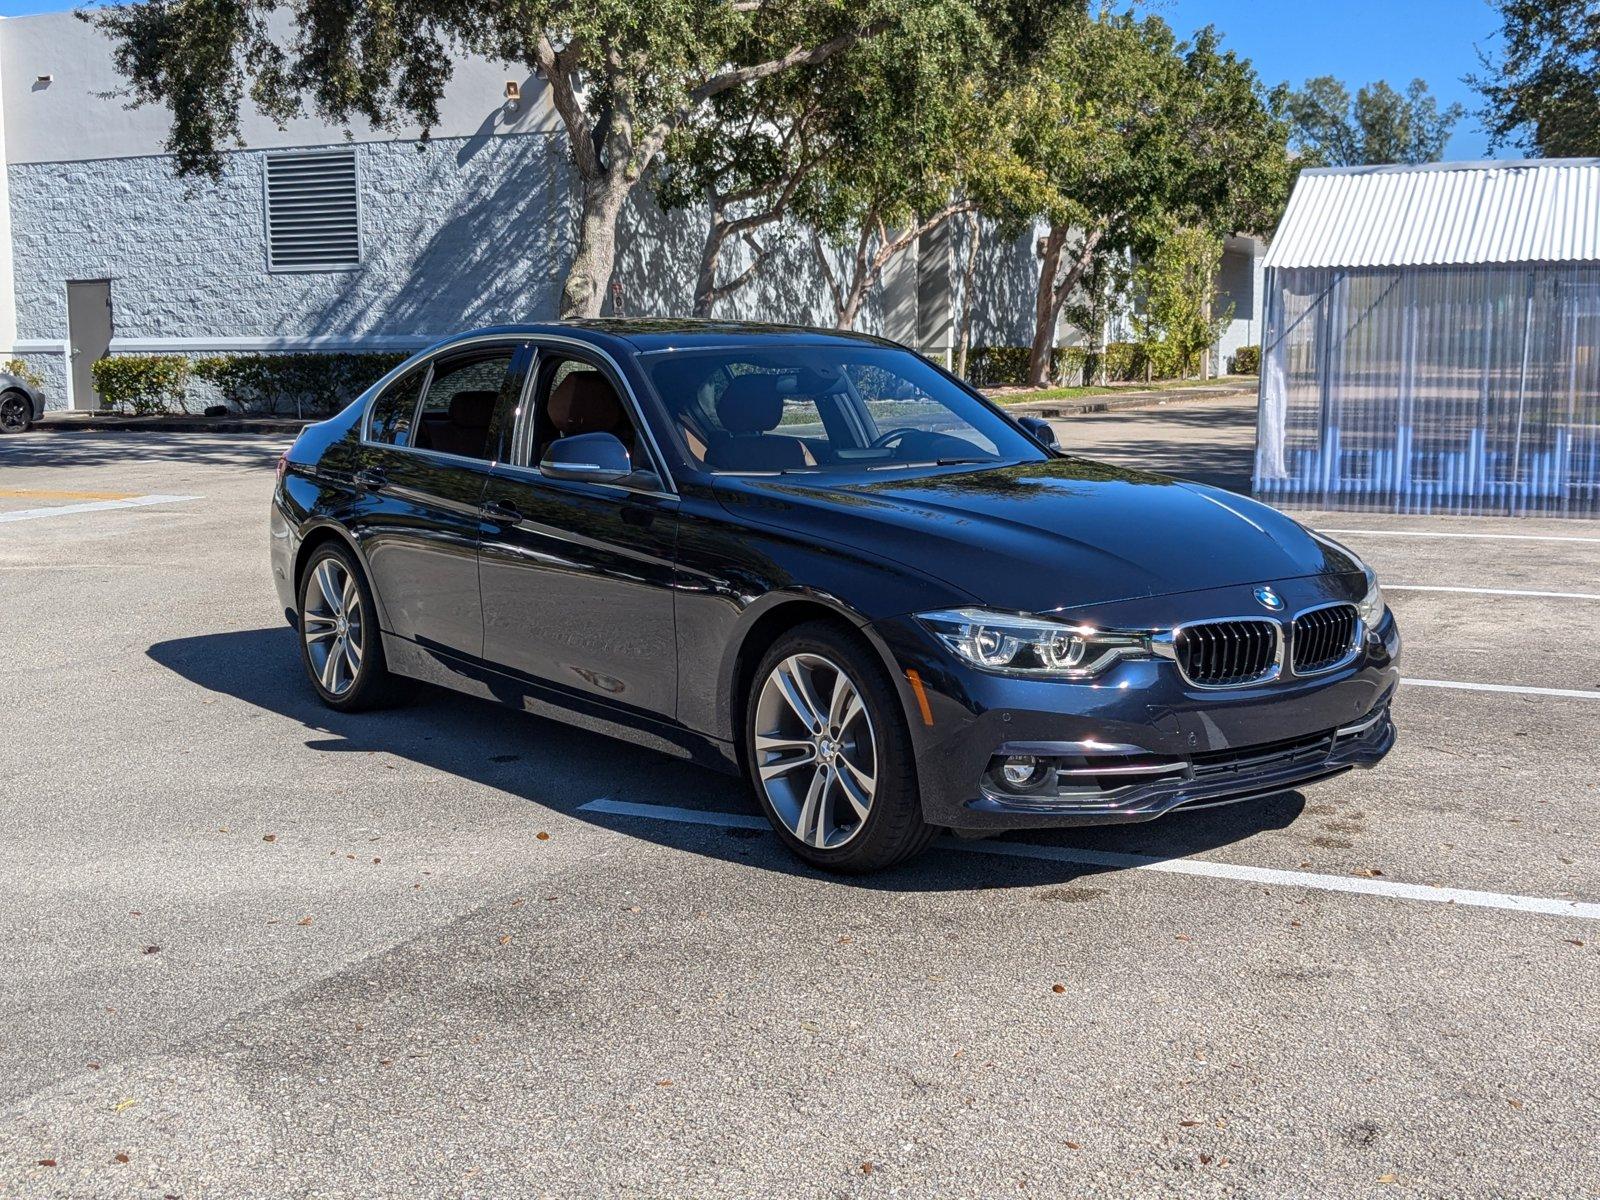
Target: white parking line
<point>1140,862</point>
<point>63,510</point>
<point>1441,533</point>
<point>1423,587</point>
<point>1510,689</point>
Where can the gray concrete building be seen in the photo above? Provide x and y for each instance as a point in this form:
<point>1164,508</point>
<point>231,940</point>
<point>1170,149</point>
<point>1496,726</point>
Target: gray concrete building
<point>318,237</point>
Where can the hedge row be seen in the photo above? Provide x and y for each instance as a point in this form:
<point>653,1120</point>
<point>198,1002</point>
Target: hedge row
<point>312,385</point>
<point>1007,366</point>
<point>1123,362</point>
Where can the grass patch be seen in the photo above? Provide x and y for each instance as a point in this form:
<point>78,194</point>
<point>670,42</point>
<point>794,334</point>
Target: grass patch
<point>1038,395</point>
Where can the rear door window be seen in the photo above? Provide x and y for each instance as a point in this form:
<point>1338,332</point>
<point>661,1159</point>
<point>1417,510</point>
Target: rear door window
<point>458,411</point>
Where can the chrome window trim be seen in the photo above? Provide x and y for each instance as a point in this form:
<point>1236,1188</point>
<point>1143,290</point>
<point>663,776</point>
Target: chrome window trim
<point>1357,639</point>
<point>1164,644</point>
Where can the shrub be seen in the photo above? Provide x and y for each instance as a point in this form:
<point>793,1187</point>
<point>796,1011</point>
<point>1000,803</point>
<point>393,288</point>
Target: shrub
<point>17,367</point>
<point>1246,361</point>
<point>142,384</point>
<point>1007,366</point>
<point>306,384</point>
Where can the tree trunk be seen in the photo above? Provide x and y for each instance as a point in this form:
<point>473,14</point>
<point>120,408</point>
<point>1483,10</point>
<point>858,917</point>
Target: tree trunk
<point>585,290</point>
<point>705,282</point>
<point>1045,309</point>
<point>968,276</point>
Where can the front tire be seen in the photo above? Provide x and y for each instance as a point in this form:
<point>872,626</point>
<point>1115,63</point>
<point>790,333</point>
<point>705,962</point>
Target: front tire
<point>829,755</point>
<point>340,644</point>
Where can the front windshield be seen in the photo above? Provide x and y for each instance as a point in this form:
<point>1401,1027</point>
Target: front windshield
<point>829,409</point>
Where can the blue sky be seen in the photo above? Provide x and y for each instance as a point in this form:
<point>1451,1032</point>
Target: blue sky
<point>1356,40</point>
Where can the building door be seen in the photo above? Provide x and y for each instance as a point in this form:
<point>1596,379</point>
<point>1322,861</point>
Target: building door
<point>88,336</point>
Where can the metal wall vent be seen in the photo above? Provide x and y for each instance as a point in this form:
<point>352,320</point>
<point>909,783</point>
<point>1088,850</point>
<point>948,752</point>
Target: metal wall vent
<point>313,211</point>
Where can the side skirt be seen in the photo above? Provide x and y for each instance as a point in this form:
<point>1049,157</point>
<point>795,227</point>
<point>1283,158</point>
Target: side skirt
<point>438,667</point>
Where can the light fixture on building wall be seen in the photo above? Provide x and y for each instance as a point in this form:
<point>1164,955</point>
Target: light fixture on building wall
<point>44,80</point>
<point>513,95</point>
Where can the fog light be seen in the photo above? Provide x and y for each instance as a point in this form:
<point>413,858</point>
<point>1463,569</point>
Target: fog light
<point>1019,770</point>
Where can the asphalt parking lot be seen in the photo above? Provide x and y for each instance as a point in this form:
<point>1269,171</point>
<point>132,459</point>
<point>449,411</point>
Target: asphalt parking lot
<point>256,948</point>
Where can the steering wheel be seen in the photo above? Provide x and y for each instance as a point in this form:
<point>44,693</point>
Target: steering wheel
<point>884,440</point>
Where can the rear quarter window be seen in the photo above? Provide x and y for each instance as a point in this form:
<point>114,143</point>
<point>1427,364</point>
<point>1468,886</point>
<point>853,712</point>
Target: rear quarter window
<point>395,410</point>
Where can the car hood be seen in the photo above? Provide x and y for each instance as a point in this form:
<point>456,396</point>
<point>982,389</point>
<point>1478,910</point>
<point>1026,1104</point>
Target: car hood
<point>1039,537</point>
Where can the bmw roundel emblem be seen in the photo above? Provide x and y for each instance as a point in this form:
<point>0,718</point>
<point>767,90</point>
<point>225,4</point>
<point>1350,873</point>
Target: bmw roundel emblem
<point>1269,598</point>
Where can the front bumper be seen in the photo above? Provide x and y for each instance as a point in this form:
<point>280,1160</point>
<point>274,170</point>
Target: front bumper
<point>1138,741</point>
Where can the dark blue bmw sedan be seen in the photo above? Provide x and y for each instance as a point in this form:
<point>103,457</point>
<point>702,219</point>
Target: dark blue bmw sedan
<point>822,561</point>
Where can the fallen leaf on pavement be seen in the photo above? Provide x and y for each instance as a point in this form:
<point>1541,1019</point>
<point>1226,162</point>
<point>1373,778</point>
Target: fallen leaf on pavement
<point>542,836</point>
<point>121,1158</point>
<point>271,837</point>
<point>152,949</point>
<point>303,921</point>
<point>1058,988</point>
<point>123,1105</point>
<point>1188,1124</point>
<point>1385,1178</point>
<point>505,939</point>
<point>47,1162</point>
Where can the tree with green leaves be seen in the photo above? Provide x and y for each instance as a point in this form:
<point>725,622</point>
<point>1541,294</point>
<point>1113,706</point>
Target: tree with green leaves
<point>1379,125</point>
<point>1542,90</point>
<point>1128,131</point>
<point>1176,320</point>
<point>918,125</point>
<point>623,75</point>
<point>745,158</point>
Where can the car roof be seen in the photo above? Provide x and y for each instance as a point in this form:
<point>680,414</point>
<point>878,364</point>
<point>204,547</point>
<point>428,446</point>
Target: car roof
<point>641,335</point>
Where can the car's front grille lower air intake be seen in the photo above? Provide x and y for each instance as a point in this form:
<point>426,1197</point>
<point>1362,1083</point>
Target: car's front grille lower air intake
<point>1227,653</point>
<point>1324,638</point>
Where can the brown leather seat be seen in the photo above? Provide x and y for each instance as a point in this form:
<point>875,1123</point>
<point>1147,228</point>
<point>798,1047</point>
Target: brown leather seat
<point>750,408</point>
<point>465,430</point>
<point>585,402</point>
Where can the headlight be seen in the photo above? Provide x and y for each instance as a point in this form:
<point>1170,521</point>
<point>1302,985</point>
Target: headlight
<point>1372,607</point>
<point>1034,646</point>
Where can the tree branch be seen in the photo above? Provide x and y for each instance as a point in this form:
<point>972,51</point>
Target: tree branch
<point>557,71</point>
<point>827,272</point>
<point>799,56</point>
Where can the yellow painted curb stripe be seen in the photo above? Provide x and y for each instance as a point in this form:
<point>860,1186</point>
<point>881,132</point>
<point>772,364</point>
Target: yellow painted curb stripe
<point>48,494</point>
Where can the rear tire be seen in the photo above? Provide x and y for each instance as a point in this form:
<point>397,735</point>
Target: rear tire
<point>829,755</point>
<point>16,413</point>
<point>341,646</point>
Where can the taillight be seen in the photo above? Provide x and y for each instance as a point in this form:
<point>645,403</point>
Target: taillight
<point>283,465</point>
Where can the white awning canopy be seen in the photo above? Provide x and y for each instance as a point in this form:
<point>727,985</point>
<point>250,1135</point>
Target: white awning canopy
<point>1442,214</point>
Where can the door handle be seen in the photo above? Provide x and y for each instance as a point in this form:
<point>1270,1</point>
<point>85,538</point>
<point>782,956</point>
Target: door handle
<point>502,512</point>
<point>371,478</point>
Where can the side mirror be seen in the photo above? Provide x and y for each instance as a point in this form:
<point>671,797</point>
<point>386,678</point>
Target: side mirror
<point>1041,429</point>
<point>592,457</point>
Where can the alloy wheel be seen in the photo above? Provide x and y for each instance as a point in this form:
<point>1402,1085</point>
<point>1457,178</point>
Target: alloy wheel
<point>15,413</point>
<point>333,626</point>
<point>816,752</point>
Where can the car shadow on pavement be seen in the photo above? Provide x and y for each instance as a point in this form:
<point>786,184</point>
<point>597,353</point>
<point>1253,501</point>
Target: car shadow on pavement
<point>563,768</point>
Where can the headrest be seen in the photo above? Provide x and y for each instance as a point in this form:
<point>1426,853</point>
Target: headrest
<point>750,404</point>
<point>473,410</point>
<point>585,402</point>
